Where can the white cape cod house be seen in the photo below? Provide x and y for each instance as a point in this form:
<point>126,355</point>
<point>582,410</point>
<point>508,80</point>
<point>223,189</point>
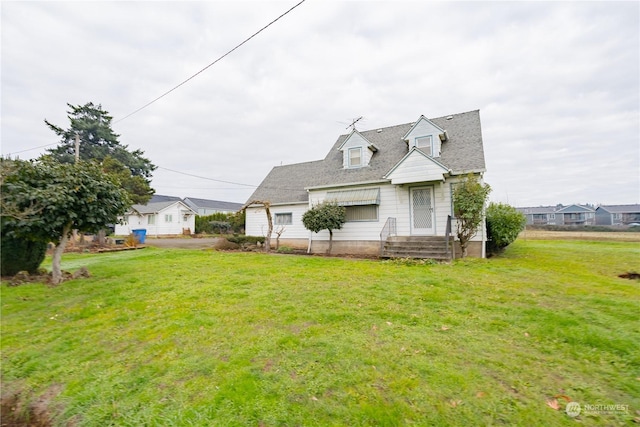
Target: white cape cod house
<point>395,182</point>
<point>164,218</point>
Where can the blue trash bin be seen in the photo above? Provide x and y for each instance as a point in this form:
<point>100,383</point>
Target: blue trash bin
<point>140,235</point>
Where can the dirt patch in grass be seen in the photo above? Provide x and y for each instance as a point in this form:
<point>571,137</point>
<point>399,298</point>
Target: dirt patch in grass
<point>18,410</point>
<point>42,277</point>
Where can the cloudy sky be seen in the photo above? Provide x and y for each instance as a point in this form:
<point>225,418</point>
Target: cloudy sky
<point>557,85</point>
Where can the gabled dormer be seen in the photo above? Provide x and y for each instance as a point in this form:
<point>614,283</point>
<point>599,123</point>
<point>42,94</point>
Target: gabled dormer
<point>356,151</point>
<point>426,136</point>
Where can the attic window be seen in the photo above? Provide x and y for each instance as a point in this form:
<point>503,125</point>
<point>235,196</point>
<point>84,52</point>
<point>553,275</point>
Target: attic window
<point>355,157</point>
<point>425,143</point>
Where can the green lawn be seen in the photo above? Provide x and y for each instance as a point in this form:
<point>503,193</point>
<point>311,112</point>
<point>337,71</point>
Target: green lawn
<point>201,338</point>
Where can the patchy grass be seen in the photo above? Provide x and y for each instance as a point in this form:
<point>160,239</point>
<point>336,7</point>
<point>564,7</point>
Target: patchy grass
<point>184,337</point>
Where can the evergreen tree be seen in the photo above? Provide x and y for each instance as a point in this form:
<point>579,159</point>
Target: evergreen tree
<point>99,142</point>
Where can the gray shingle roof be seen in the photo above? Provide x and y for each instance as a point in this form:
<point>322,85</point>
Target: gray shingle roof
<point>621,208</point>
<point>538,210</point>
<point>575,209</point>
<point>152,208</point>
<point>212,204</point>
<point>462,153</point>
<point>156,198</point>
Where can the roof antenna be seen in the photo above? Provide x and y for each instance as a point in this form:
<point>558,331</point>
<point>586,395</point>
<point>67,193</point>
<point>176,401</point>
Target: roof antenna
<point>353,123</point>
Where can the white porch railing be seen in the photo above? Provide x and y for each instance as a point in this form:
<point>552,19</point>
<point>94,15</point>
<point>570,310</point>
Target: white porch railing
<point>389,229</point>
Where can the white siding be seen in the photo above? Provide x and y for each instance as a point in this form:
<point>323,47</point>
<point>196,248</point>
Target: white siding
<point>394,202</point>
<point>256,221</point>
<point>160,227</point>
<point>425,128</point>
<point>417,168</point>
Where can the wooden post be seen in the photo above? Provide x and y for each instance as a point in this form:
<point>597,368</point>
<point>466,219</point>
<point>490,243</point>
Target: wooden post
<point>77,147</point>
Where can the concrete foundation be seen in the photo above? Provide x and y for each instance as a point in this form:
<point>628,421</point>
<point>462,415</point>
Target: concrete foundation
<point>361,248</point>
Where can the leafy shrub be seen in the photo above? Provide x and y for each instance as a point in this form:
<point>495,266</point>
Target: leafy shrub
<point>504,223</point>
<point>21,255</point>
<point>325,216</point>
<point>285,250</point>
<point>221,223</point>
<point>243,240</point>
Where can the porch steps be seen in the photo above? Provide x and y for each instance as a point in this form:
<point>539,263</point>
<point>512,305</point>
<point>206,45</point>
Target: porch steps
<point>423,247</point>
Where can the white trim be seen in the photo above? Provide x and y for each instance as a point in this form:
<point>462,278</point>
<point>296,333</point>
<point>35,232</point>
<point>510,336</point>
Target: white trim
<point>422,117</point>
<point>349,159</point>
<point>349,184</point>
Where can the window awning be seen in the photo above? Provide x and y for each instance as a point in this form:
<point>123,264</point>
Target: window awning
<point>365,196</point>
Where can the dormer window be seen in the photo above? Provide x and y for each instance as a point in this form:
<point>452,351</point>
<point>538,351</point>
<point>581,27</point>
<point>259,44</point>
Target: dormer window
<point>422,135</point>
<point>357,151</point>
<point>355,157</point>
<point>425,143</point>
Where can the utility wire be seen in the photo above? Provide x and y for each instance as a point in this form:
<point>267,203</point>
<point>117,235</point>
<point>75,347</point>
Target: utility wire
<point>225,182</point>
<point>209,179</point>
<point>211,64</point>
<point>29,149</point>
<point>185,81</point>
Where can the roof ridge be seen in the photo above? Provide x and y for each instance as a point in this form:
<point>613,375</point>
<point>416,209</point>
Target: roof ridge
<point>411,123</point>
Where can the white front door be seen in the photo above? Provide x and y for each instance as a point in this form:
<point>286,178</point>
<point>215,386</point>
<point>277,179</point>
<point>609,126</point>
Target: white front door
<point>422,213</point>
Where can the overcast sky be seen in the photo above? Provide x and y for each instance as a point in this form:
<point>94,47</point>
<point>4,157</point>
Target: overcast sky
<point>557,85</point>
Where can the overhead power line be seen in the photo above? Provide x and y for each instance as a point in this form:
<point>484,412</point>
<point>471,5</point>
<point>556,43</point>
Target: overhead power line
<point>211,64</point>
<point>225,182</point>
<point>207,178</point>
<point>30,149</point>
<point>185,81</point>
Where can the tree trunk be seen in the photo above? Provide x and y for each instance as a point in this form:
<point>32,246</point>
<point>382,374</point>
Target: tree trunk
<point>56,271</point>
<point>102,234</point>
<point>464,249</point>
<point>267,239</point>
<point>330,242</point>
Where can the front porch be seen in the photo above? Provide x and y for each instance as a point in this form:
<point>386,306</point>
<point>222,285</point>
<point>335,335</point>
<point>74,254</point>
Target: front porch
<point>420,247</point>
<point>392,245</point>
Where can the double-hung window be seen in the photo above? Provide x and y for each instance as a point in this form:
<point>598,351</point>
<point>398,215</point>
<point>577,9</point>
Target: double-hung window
<point>283,218</point>
<point>355,157</point>
<point>425,143</point>
<point>362,213</point>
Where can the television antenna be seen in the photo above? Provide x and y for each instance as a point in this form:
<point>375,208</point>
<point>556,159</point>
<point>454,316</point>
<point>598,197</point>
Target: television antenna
<point>353,123</point>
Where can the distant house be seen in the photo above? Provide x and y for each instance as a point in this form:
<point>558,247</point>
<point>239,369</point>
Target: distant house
<point>208,207</point>
<point>160,218</point>
<point>157,198</point>
<point>541,215</point>
<point>395,183</point>
<point>576,215</point>
<point>618,214</point>
<point>559,215</point>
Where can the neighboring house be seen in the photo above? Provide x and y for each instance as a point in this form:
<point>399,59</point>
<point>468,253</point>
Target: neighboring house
<point>576,215</point>
<point>395,182</point>
<point>207,207</point>
<point>541,215</point>
<point>156,198</point>
<point>559,215</point>
<point>164,218</point>
<point>618,214</point>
